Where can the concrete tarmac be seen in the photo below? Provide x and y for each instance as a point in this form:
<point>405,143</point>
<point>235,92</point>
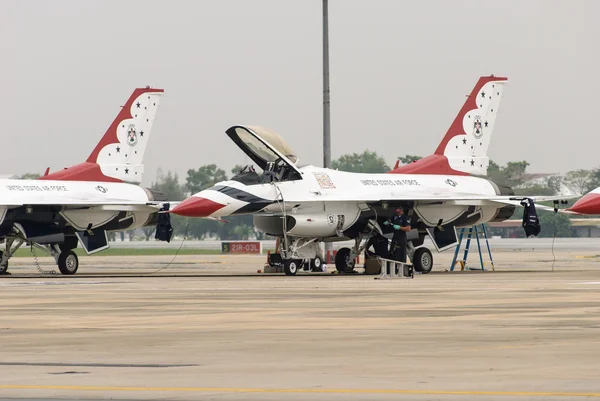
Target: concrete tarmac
<point>211,328</point>
<point>538,254</point>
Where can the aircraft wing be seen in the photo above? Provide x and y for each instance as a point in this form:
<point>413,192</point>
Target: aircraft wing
<point>564,211</point>
<point>457,199</point>
<point>75,203</point>
<point>514,200</point>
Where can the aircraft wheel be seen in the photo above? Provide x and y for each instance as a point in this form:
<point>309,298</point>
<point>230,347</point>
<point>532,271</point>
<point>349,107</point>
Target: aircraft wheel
<point>290,267</point>
<point>3,268</point>
<point>422,260</point>
<point>68,262</point>
<point>317,264</point>
<point>342,260</point>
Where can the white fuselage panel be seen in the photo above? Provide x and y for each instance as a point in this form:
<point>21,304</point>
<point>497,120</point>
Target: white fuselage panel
<point>42,192</point>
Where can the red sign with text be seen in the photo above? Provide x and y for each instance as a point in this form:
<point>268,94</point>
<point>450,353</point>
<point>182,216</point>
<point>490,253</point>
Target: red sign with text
<point>241,247</point>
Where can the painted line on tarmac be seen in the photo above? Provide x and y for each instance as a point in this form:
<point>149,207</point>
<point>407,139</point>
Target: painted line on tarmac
<point>303,391</point>
<point>99,365</point>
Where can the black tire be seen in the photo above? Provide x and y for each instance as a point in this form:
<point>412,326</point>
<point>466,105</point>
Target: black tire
<point>342,260</point>
<point>3,268</point>
<point>68,263</point>
<point>422,260</point>
<point>317,264</point>
<point>290,267</point>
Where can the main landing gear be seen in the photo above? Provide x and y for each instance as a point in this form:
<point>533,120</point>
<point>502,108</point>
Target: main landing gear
<point>421,258</point>
<point>345,258</point>
<point>344,263</point>
<point>66,259</point>
<point>63,254</point>
<point>3,264</point>
<point>12,244</point>
<point>302,253</point>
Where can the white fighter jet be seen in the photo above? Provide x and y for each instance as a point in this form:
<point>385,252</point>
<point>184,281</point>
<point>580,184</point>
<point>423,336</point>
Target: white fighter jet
<point>84,202</point>
<point>305,205</point>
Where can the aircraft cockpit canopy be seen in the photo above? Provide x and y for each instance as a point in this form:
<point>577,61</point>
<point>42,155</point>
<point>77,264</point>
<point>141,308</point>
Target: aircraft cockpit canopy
<point>269,151</point>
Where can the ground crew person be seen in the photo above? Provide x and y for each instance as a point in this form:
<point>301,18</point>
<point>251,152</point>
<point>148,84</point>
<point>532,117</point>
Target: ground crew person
<point>401,225</point>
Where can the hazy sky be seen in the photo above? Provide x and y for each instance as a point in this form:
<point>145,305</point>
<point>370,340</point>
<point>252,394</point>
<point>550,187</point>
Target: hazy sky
<point>400,71</point>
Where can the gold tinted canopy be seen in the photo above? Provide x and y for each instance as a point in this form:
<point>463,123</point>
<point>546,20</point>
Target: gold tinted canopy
<point>276,141</point>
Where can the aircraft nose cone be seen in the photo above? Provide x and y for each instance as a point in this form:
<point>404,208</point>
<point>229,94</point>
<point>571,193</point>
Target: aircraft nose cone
<point>197,207</point>
<point>588,204</point>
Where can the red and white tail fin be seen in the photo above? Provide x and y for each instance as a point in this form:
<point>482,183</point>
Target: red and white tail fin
<point>463,149</point>
<point>119,155</point>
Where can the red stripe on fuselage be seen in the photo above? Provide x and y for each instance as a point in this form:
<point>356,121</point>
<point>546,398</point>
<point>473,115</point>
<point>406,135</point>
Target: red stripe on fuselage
<point>85,171</point>
<point>432,164</point>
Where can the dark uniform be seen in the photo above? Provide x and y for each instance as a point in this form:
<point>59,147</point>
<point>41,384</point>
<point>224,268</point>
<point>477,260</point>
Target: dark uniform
<point>380,246</point>
<point>398,246</point>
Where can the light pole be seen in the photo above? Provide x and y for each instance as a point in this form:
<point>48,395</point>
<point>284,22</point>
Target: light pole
<point>326,120</point>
